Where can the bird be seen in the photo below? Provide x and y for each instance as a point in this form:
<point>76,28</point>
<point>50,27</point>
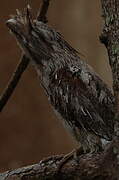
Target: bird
<point>80,98</point>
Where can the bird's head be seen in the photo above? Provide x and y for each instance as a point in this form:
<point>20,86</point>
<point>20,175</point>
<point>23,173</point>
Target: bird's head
<point>34,36</point>
<point>38,40</point>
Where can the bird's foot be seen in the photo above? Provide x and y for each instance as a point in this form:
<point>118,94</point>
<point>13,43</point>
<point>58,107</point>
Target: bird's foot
<point>96,150</point>
<point>73,154</point>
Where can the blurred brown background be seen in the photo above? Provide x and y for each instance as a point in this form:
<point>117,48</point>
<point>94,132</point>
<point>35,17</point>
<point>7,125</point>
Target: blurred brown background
<point>29,130</point>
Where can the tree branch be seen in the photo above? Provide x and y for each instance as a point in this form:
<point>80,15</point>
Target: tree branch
<point>24,62</point>
<point>42,13</point>
<point>101,166</point>
<point>14,81</point>
<point>111,35</point>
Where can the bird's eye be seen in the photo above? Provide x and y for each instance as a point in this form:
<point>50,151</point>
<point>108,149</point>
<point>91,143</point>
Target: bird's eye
<point>45,32</point>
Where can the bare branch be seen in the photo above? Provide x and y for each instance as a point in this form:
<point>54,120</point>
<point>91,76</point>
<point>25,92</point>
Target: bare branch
<point>14,81</point>
<point>88,167</point>
<point>43,12</point>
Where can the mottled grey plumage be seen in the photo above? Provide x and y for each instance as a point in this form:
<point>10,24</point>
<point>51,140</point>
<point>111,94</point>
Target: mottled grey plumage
<point>76,92</point>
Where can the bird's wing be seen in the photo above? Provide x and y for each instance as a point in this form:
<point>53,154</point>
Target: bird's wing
<point>71,98</point>
<point>87,117</point>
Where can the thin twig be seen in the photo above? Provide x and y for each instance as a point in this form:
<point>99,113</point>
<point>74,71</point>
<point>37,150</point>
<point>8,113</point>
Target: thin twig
<point>43,12</point>
<point>13,81</point>
<point>23,64</point>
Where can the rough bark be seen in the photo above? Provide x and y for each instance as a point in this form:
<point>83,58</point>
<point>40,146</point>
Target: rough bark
<point>101,166</point>
<point>110,35</point>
